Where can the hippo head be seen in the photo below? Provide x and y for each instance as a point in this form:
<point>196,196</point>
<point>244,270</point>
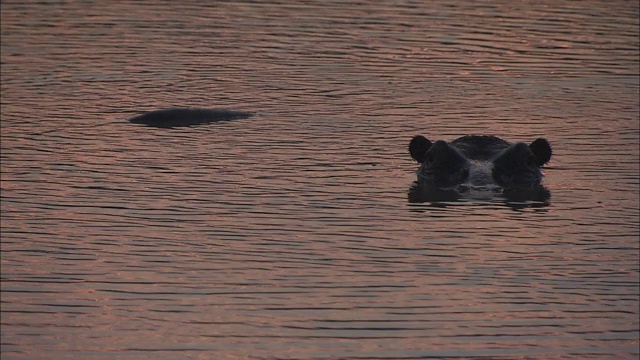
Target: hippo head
<point>479,161</point>
<point>518,166</point>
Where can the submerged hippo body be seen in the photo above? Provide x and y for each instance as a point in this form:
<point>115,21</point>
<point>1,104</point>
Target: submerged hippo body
<point>479,161</point>
<point>171,118</point>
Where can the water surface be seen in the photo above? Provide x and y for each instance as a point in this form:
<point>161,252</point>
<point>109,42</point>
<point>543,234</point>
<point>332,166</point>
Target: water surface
<point>299,233</point>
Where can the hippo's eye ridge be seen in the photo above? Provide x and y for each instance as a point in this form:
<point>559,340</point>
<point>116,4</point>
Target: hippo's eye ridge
<point>531,162</point>
<point>429,158</point>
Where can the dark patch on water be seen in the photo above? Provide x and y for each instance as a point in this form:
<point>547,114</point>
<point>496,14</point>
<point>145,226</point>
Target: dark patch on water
<point>171,118</point>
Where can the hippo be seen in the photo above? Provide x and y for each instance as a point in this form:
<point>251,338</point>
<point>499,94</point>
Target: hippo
<point>179,117</point>
<point>480,161</point>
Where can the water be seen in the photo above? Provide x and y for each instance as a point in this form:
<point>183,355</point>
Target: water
<point>299,232</point>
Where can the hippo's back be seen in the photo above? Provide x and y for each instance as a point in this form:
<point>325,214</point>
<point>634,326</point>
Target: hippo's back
<point>178,117</point>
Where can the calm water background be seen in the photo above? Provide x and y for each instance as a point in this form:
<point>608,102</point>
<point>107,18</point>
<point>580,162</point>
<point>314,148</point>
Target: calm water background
<point>296,234</point>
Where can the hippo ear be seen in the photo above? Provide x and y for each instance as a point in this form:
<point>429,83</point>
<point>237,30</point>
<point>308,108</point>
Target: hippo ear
<point>542,151</point>
<point>418,147</point>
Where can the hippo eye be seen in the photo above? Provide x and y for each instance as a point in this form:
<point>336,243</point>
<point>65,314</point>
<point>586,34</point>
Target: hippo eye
<point>428,158</point>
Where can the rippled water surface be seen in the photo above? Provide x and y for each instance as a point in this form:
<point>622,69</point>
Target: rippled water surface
<point>299,233</point>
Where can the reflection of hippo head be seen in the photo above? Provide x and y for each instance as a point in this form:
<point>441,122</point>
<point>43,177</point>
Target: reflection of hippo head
<point>480,161</point>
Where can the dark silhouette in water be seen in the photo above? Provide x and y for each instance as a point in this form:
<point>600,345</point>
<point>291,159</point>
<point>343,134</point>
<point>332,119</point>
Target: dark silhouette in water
<point>479,160</point>
<point>486,164</point>
<point>171,118</point>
